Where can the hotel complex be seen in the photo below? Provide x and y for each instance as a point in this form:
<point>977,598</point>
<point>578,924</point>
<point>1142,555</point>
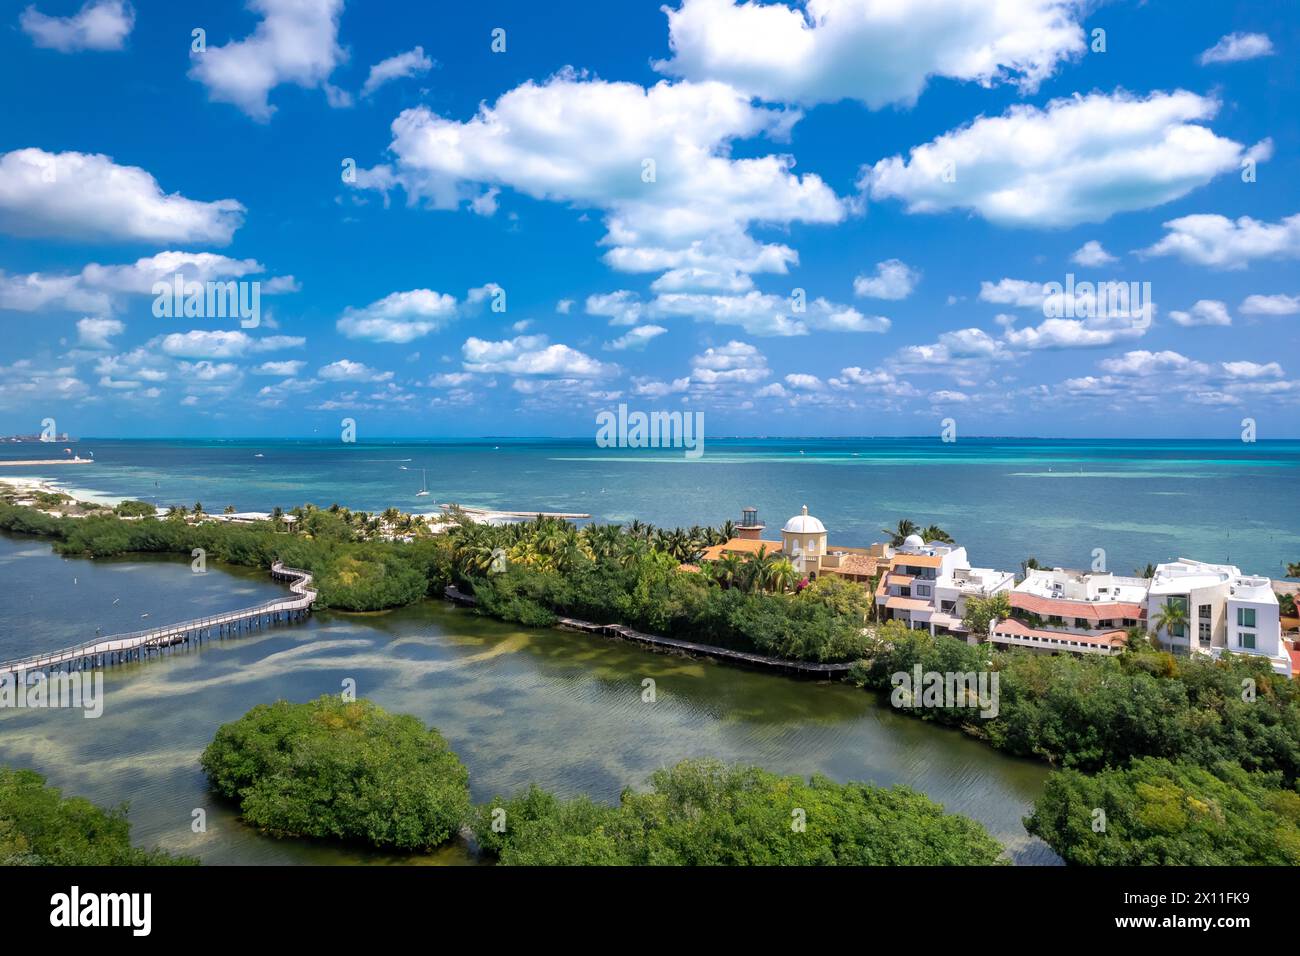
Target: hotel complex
<point>1191,606</point>
<point>1078,611</point>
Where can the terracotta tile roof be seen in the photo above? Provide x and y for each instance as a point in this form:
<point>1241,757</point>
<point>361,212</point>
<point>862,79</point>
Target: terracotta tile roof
<point>740,546</point>
<point>1090,610</point>
<point>1014,628</point>
<point>862,564</point>
<point>902,580</point>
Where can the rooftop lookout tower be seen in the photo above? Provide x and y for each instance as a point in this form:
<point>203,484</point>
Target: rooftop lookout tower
<point>750,527</point>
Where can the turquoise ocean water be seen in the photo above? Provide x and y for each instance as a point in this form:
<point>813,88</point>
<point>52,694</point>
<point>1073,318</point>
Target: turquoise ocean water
<point>1004,499</point>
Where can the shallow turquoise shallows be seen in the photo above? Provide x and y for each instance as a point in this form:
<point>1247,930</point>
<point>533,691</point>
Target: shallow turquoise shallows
<point>1060,500</point>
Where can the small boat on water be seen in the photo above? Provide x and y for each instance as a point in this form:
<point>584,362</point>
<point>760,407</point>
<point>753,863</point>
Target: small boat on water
<point>424,485</point>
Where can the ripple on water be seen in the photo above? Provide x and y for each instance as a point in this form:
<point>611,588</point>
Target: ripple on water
<point>564,710</point>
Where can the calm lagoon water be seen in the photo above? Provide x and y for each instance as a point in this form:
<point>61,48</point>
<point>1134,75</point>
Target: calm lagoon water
<point>561,709</point>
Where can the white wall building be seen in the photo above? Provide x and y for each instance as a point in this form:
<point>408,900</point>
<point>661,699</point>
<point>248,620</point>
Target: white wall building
<point>1226,611</point>
<point>1078,612</point>
<point>951,591</point>
<point>927,585</point>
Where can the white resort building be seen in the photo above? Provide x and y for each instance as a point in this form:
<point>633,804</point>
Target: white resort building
<point>926,586</point>
<point>1076,611</point>
<point>1224,610</point>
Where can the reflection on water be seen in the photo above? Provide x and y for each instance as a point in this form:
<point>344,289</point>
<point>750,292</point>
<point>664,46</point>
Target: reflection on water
<point>564,710</point>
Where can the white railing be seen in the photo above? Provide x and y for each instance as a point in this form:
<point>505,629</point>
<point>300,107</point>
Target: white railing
<point>166,634</point>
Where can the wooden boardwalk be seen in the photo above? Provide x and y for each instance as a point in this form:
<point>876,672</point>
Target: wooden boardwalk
<point>674,646</point>
<point>159,641</point>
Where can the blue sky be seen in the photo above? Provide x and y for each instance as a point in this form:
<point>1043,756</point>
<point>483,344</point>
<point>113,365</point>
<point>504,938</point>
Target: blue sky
<point>919,176</point>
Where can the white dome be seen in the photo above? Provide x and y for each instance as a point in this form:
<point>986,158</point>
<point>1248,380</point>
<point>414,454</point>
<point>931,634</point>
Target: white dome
<point>804,523</point>
<point>914,541</point>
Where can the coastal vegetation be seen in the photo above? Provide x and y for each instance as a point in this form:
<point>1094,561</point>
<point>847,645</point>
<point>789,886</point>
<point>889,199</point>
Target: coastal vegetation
<point>352,572</point>
<point>41,827</point>
<point>1157,812</point>
<point>349,771</point>
<point>822,622</point>
<point>703,813</point>
<point>1094,712</point>
<point>340,770</point>
<point>1210,729</point>
<point>528,573</point>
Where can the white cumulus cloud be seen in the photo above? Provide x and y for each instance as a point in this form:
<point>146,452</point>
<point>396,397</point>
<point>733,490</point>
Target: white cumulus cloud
<point>894,279</point>
<point>87,196</point>
<point>1238,46</point>
<point>655,161</point>
<point>98,25</point>
<point>1077,160</point>
<point>296,41</point>
<point>399,317</point>
<point>410,63</point>
<point>1203,312</point>
<point>876,52</point>
<point>1212,240</point>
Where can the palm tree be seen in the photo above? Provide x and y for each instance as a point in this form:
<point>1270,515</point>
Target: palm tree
<point>782,575</point>
<point>873,609</point>
<point>229,510</point>
<point>1286,604</point>
<point>898,535</point>
<point>727,531</point>
<point>728,570</point>
<point>1027,565</point>
<point>758,569</point>
<point>1148,572</point>
<point>277,516</point>
<point>935,533</point>
<point>633,552</point>
<point>1293,570</point>
<point>1171,618</point>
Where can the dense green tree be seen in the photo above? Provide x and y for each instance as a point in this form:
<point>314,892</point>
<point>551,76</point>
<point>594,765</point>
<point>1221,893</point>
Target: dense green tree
<point>39,826</point>
<point>981,612</point>
<point>1092,712</point>
<point>1159,813</point>
<point>340,770</point>
<point>702,813</point>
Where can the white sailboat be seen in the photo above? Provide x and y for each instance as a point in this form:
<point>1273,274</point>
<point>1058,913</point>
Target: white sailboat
<point>424,485</point>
